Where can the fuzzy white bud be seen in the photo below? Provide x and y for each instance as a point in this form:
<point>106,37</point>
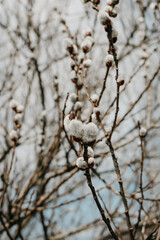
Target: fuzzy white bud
<point>86,45</point>
<point>143,132</point>
<point>67,42</point>
<point>96,111</point>
<point>67,122</point>
<point>153,6</point>
<point>81,56</point>
<point>87,32</point>
<point>91,161</point>
<point>18,117</point>
<point>76,128</point>
<point>73,97</point>
<point>75,49</point>
<point>103,17</point>
<point>78,105</point>
<point>94,118</point>
<point>13,103</point>
<point>114,33</point>
<point>73,75</point>
<point>20,108</point>
<point>140,20</point>
<point>139,143</point>
<point>108,9</point>
<point>90,132</point>
<point>109,60</point>
<point>43,113</point>
<point>87,63</point>
<point>13,135</point>
<point>81,163</point>
<point>109,2</point>
<point>90,152</point>
<point>112,12</point>
<point>94,98</point>
<point>90,39</point>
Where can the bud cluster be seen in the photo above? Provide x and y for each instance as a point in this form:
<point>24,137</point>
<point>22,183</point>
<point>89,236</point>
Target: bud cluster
<point>143,132</point>
<point>86,162</point>
<point>18,109</point>
<point>78,59</point>
<point>104,16</point>
<point>84,133</point>
<point>87,43</point>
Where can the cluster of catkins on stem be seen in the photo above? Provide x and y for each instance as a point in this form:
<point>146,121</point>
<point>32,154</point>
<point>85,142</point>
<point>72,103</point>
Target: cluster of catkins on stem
<point>18,109</point>
<point>104,16</point>
<point>83,133</point>
<point>78,58</point>
<point>80,132</point>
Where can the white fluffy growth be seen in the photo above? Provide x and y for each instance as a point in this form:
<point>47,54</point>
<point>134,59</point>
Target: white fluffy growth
<point>78,105</point>
<point>94,97</point>
<point>13,134</point>
<point>73,74</point>
<point>67,42</point>
<point>87,31</point>
<point>109,2</point>
<point>109,59</point>
<point>90,152</point>
<point>75,49</point>
<point>43,113</point>
<point>139,143</point>
<point>81,57</point>
<point>18,117</point>
<point>140,20</point>
<point>67,122</point>
<point>103,17</point>
<point>108,9</point>
<point>81,163</point>
<point>13,103</point>
<point>90,132</point>
<point>76,128</point>
<point>143,132</point>
<point>94,118</point>
<point>91,160</point>
<point>96,110</point>
<point>20,108</point>
<point>114,33</point>
<point>90,39</point>
<point>79,81</point>
<point>73,97</point>
<point>86,44</point>
<point>87,63</point>
<point>153,5</point>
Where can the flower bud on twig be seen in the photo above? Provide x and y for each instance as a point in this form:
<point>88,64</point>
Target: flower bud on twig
<point>104,18</point>
<point>109,60</point>
<point>81,163</point>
